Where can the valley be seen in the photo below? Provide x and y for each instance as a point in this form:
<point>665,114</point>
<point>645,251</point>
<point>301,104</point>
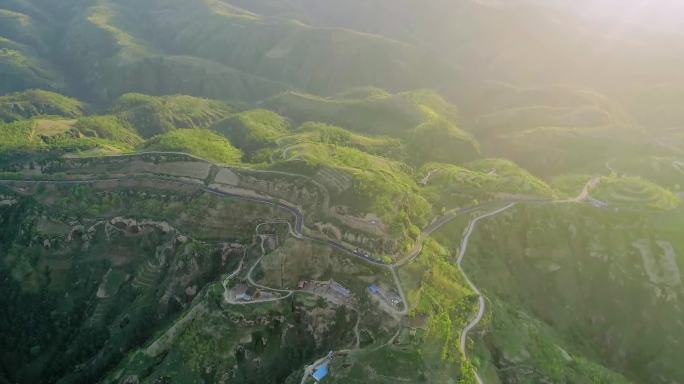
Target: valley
<point>176,174</point>
<point>283,192</point>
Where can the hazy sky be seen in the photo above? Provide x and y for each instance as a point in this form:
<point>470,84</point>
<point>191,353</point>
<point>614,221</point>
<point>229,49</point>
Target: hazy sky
<point>644,12</point>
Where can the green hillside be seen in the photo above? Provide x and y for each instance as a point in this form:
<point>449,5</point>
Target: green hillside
<point>440,299</point>
<point>450,186</point>
<point>21,28</point>
<point>422,118</point>
<point>554,129</point>
<point>56,137</point>
<point>23,70</point>
<point>563,268</point>
<point>389,191</point>
<point>632,191</point>
<point>24,37</point>
<point>379,114</point>
<point>198,142</point>
<point>319,60</point>
<point>104,296</point>
<point>364,182</point>
<point>329,134</point>
<point>108,127</point>
<point>33,103</point>
<point>102,36</point>
<point>254,130</point>
<point>108,36</point>
<point>151,115</point>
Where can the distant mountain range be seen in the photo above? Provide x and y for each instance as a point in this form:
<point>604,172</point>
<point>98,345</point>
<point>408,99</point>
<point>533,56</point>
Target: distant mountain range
<point>494,186</point>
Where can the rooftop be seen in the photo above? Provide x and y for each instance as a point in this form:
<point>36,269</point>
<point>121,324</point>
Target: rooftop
<point>241,289</point>
<point>340,289</point>
<point>321,372</point>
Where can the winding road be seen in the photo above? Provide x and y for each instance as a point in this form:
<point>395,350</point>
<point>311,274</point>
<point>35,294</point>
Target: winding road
<point>581,198</point>
<point>481,301</point>
<point>296,231</point>
<point>584,195</point>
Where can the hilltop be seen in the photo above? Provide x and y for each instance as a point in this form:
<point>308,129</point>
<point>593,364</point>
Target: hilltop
<point>461,191</point>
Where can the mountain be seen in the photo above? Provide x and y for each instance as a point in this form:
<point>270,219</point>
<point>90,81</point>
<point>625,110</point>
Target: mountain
<point>231,191</point>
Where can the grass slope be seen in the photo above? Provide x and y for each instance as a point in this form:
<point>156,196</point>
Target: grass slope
<point>108,127</point>
<point>449,185</point>
<point>330,134</point>
<point>107,36</point>
<point>199,142</point>
<point>440,301</point>
<point>57,136</point>
<point>422,118</point>
<point>564,266</point>
<point>319,60</point>
<point>365,183</point>
<point>32,103</point>
<point>253,130</point>
<point>636,193</point>
<point>25,39</point>
<point>553,129</point>
<point>151,115</point>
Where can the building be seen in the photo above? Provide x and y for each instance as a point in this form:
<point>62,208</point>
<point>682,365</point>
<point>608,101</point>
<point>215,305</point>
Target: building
<point>337,287</point>
<point>321,372</point>
<point>597,203</point>
<point>393,298</point>
<point>240,291</point>
<point>374,289</point>
<point>302,284</point>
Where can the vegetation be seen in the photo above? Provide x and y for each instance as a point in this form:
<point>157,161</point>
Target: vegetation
<point>110,128</point>
<point>440,298</point>
<point>151,115</point>
<point>70,323</point>
<point>253,130</point>
<point>552,130</point>
<point>23,38</point>
<point>33,103</point>
<point>390,125</point>
<point>198,142</point>
<point>517,333</point>
<point>549,250</point>
<point>329,134</point>
<point>390,114</point>
<point>449,186</point>
<point>18,136</point>
<point>570,185</point>
<point>630,191</point>
<point>366,183</point>
<point>667,171</point>
<point>285,51</point>
<point>441,141</point>
<point>422,118</point>
<point>59,136</point>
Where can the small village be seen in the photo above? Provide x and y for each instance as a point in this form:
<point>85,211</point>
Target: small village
<point>391,297</point>
<point>331,290</point>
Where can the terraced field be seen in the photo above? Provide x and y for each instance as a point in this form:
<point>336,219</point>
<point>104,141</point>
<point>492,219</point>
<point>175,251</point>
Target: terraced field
<point>631,191</point>
<point>147,277</point>
<point>678,165</point>
<point>429,193</point>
